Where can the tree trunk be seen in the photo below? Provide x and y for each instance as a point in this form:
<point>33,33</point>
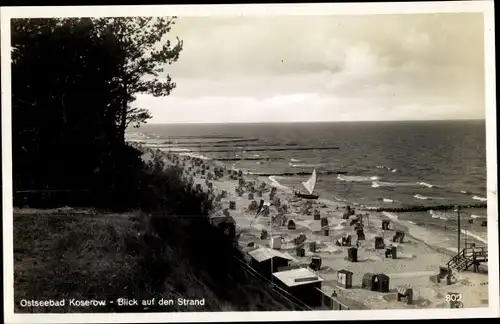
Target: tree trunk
<point>123,120</point>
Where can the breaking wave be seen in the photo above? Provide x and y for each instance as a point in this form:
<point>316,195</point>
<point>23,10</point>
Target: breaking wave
<point>418,196</point>
<point>425,184</point>
<point>305,165</point>
<point>475,235</point>
<point>387,168</point>
<point>276,183</point>
<point>356,178</point>
<point>295,160</point>
<point>435,214</point>
<point>341,199</point>
<point>376,184</point>
<point>479,198</point>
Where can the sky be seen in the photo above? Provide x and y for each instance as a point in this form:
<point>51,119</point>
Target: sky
<point>325,68</point>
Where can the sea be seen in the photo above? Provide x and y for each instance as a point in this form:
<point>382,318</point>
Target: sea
<point>403,164</point>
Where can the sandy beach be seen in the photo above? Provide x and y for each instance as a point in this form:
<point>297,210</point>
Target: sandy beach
<point>416,266</point>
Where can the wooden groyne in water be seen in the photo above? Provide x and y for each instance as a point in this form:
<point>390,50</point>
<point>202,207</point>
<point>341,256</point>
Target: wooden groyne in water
<point>220,144</point>
<point>226,141</point>
<point>423,208</point>
<point>203,136</point>
<point>288,174</point>
<point>265,149</point>
<point>228,159</point>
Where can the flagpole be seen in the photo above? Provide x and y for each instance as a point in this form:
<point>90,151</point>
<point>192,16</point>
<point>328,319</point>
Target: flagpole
<point>271,241</point>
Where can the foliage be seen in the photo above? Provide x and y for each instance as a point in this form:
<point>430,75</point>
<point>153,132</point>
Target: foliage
<point>145,51</point>
<point>58,127</point>
<point>73,81</point>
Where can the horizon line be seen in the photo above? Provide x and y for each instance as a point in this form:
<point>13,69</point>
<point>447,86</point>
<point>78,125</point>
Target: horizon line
<point>313,122</point>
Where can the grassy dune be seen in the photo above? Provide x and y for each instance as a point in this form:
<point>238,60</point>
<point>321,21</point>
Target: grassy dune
<point>86,255</point>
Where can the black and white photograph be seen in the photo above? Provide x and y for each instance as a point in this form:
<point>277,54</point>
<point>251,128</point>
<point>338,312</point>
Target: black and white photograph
<point>249,161</point>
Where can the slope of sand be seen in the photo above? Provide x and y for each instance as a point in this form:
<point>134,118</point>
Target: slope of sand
<point>417,263</point>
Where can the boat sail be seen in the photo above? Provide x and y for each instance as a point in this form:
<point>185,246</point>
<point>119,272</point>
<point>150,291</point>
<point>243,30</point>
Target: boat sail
<point>310,184</point>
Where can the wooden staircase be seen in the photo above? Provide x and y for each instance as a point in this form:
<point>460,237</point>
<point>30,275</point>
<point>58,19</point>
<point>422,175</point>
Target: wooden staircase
<point>468,257</point>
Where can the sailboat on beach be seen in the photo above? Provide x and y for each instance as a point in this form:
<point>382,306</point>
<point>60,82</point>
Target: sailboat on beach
<point>309,185</point>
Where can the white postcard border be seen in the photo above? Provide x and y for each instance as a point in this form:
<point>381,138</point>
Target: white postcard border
<point>255,9</point>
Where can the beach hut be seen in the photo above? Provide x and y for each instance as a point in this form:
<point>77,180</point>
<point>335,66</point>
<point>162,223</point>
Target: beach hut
<point>346,240</point>
<point>315,263</point>
<point>253,206</point>
<point>312,246</point>
<point>326,232</point>
<point>375,282</point>
<point>379,242</point>
<point>291,225</point>
<point>444,272</point>
<point>344,278</point>
<point>367,281</point>
<point>300,239</point>
<point>324,222</point>
<point>301,283</point>
<point>361,235</point>
<point>391,252</point>
<point>352,254</point>
<point>301,252</point>
<point>398,237</point>
<point>317,214</point>
<point>232,204</point>
<point>405,293</point>
<point>275,242</point>
<point>267,261</point>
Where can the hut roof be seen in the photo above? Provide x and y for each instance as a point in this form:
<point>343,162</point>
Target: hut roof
<point>345,271</point>
<point>264,254</point>
<point>296,277</point>
<point>383,276</point>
